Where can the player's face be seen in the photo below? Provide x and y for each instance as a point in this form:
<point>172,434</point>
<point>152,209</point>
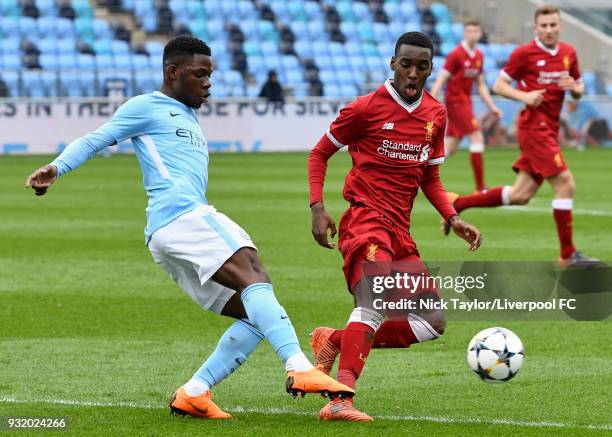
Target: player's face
<point>472,34</point>
<point>191,82</point>
<point>411,67</point>
<point>547,29</point>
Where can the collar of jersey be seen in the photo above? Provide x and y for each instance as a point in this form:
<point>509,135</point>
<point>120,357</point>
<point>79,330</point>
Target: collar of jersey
<point>471,53</point>
<point>181,104</point>
<point>551,52</point>
<point>398,98</point>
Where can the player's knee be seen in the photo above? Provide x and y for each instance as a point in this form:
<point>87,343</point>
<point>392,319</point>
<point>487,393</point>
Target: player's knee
<point>253,269</point>
<point>520,198</point>
<point>569,188</point>
<point>438,324</point>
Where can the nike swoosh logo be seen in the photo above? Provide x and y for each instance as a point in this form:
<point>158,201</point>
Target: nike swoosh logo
<point>174,115</point>
<point>284,317</point>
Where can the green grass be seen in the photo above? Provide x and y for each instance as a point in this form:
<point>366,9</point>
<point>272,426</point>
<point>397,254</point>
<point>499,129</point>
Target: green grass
<point>88,318</point>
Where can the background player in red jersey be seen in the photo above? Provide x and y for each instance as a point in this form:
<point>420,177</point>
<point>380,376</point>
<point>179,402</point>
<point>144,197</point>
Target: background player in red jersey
<point>545,69</point>
<point>395,136</point>
<point>462,68</point>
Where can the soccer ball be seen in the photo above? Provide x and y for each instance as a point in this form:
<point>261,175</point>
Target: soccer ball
<point>495,355</point>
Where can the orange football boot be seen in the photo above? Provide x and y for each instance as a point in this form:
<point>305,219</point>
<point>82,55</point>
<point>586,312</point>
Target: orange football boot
<point>343,410</point>
<point>444,226</point>
<point>315,381</point>
<point>324,351</point>
<point>197,406</point>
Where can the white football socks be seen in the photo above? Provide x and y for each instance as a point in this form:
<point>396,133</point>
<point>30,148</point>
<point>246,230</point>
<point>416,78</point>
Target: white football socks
<point>195,387</point>
<point>298,363</point>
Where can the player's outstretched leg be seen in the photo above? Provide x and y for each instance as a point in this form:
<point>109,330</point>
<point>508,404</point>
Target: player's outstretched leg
<point>195,397</point>
<point>395,333</point>
<point>266,313</point>
<point>244,272</point>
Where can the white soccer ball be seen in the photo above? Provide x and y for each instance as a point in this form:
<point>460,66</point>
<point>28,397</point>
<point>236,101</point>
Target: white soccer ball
<point>495,355</point>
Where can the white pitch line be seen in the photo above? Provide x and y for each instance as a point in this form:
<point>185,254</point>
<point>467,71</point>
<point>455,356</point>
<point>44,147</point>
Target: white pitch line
<point>279,411</point>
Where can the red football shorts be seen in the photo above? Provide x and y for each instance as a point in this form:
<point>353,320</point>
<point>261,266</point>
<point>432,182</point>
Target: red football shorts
<point>541,155</point>
<point>370,241</point>
<point>460,119</point>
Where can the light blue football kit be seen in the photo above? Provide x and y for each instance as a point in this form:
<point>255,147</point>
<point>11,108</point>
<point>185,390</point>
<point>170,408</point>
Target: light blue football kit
<point>185,235</point>
<point>170,147</point>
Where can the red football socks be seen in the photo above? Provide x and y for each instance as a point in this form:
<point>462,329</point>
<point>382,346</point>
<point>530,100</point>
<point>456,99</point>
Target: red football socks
<point>392,334</point>
<point>489,198</point>
<point>478,170</point>
<point>563,218</point>
<point>357,339</point>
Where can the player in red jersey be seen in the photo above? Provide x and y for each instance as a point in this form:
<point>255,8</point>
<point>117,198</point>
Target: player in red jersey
<point>463,67</point>
<point>545,69</point>
<point>395,137</point>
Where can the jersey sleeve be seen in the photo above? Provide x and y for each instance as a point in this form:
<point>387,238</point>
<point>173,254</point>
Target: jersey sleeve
<point>574,69</point>
<point>128,121</point>
<point>513,70</point>
<point>437,155</point>
<point>131,119</point>
<point>348,126</point>
<point>451,64</point>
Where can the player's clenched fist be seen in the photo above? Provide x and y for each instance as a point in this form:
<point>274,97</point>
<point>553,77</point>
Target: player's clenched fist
<point>321,222</point>
<point>534,98</point>
<point>42,179</point>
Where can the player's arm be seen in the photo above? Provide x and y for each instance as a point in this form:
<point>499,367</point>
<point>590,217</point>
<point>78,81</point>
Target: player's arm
<point>441,80</point>
<point>436,194</point>
<point>514,70</point>
<point>503,87</point>
<point>571,80</point>
<point>126,122</point>
<point>317,170</point>
<point>345,129</point>
<point>483,90</point>
<point>73,156</point>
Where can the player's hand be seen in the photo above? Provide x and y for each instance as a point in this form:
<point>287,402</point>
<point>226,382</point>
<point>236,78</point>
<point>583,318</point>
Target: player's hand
<point>534,98</point>
<point>498,112</point>
<point>466,231</point>
<point>321,222</point>
<point>42,179</point>
<point>567,82</point>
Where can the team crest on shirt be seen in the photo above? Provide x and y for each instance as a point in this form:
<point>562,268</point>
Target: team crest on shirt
<point>371,256</point>
<point>566,62</point>
<point>478,63</point>
<point>541,63</point>
<point>429,127</point>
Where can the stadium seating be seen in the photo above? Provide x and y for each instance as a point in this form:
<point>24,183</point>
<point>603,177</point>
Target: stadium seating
<point>346,44</point>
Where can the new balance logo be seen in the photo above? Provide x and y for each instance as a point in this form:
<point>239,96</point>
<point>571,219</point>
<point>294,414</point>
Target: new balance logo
<point>388,126</point>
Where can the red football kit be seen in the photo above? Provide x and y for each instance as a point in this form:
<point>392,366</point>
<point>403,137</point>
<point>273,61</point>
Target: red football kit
<point>395,148</point>
<point>534,67</point>
<point>464,66</point>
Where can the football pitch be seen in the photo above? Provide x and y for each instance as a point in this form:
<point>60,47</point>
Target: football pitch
<point>94,331</point>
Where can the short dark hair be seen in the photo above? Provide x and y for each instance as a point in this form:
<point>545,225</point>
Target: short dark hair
<point>415,39</point>
<point>184,46</point>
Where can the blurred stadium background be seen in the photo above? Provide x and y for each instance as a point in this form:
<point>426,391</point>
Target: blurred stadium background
<point>333,50</point>
<point>73,47</point>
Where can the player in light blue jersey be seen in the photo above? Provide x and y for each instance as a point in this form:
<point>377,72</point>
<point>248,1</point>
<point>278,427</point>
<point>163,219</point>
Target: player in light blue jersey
<point>207,254</point>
